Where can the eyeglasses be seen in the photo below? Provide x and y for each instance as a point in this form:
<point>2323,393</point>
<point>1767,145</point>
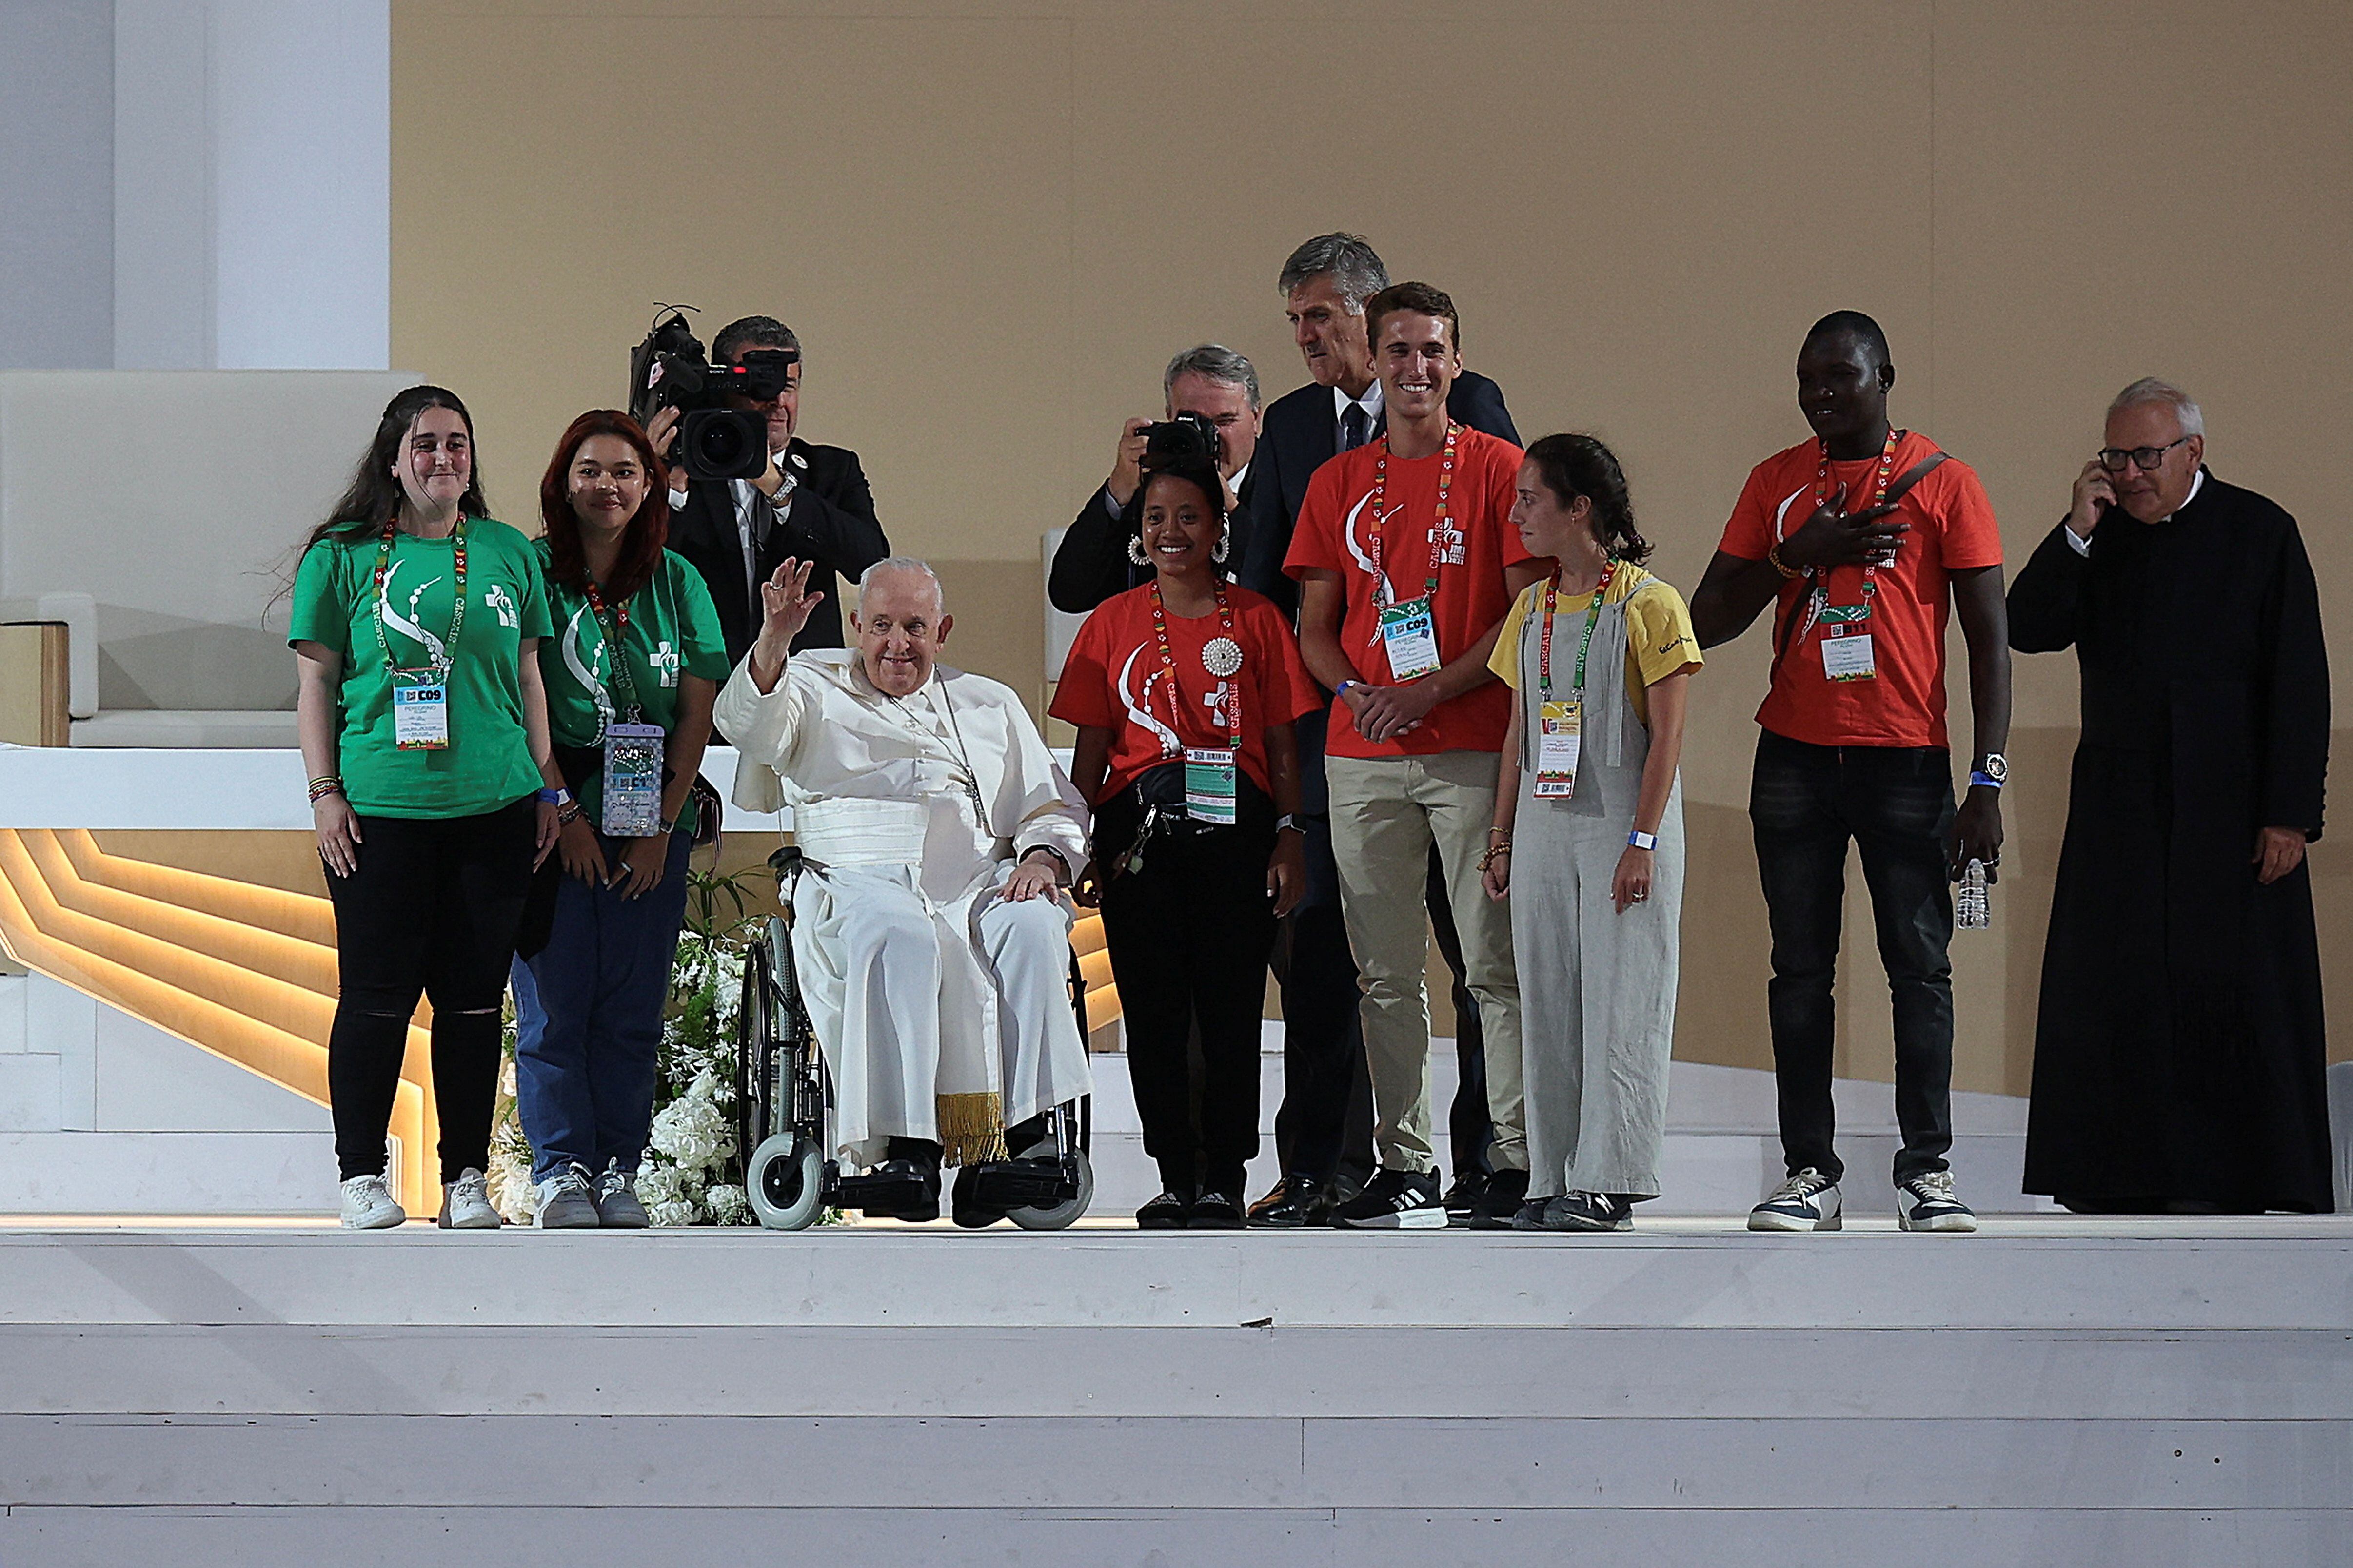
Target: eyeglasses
<point>2114,458</point>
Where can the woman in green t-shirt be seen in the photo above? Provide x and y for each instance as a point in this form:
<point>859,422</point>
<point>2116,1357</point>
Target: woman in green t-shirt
<point>631,671</point>
<point>417,622</point>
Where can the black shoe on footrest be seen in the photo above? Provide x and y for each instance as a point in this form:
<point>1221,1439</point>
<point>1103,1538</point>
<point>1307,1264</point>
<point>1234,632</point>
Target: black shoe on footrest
<point>996,1188</point>
<point>895,1189</point>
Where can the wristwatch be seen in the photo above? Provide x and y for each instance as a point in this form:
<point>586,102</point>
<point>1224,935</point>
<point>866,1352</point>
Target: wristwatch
<point>1288,821</point>
<point>1993,772</point>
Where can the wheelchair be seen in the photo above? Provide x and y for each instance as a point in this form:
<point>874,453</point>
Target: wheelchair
<point>783,1100</point>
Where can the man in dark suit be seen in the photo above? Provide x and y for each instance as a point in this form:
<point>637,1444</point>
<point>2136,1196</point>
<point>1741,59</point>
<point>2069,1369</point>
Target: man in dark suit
<point>1324,1130</point>
<point>1092,563</point>
<point>812,503</point>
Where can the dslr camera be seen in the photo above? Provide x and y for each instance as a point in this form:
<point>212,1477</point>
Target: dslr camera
<point>1187,437</point>
<point>669,370</point>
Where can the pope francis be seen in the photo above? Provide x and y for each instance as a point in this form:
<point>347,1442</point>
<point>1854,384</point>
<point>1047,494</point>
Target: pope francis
<point>930,932</point>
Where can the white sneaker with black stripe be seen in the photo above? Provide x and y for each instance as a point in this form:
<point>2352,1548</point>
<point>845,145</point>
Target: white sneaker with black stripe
<point>1926,1203</point>
<point>1807,1201</point>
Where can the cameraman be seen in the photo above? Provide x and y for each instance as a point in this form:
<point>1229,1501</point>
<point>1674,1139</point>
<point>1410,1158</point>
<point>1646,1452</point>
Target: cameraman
<point>1211,380</point>
<point>813,502</point>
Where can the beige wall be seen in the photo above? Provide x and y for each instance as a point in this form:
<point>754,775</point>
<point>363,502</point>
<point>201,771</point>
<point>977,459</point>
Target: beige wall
<point>991,231</point>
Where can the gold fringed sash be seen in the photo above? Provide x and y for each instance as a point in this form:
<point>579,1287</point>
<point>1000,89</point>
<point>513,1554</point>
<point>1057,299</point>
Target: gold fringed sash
<point>972,1127</point>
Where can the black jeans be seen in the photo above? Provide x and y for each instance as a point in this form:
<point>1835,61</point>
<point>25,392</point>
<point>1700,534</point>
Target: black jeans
<point>430,908</point>
<point>1805,801</point>
<point>1188,937</point>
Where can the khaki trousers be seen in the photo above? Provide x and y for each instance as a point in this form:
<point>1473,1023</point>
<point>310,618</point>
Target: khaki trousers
<point>1386,813</point>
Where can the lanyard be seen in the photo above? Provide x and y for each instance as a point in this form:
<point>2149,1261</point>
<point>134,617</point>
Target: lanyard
<point>616,635</point>
<point>1818,596</point>
<point>1585,644</point>
<point>1168,666</point>
<point>449,659</point>
<point>1381,594</point>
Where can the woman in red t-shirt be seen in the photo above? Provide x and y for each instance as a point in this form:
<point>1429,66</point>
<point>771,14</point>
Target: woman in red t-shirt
<point>1185,691</point>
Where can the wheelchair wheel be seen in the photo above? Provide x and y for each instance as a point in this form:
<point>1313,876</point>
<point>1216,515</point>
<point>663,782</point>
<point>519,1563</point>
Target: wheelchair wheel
<point>785,1181</point>
<point>1061,1215</point>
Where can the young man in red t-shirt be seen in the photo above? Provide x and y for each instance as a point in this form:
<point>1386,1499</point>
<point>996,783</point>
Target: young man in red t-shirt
<point>1406,565</point>
<point>1862,538</point>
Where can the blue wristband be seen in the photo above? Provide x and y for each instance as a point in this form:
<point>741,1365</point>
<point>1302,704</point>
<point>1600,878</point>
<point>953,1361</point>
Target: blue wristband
<point>1986,779</point>
<point>556,797</point>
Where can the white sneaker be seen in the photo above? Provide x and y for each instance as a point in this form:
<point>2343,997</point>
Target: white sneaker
<point>466,1203</point>
<point>368,1204</point>
<point>1807,1201</point>
<point>1926,1203</point>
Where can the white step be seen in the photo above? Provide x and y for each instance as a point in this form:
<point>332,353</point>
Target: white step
<point>2052,1390</point>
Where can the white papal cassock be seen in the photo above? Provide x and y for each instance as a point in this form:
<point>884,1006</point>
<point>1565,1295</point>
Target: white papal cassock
<point>944,1010</point>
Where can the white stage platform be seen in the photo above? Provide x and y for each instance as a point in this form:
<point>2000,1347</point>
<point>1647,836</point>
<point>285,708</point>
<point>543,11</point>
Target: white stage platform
<point>2051,1391</point>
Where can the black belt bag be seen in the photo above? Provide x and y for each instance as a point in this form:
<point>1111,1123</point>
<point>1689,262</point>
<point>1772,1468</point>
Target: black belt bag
<point>1153,806</point>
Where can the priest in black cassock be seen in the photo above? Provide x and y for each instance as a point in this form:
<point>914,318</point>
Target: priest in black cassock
<point>2179,1062</point>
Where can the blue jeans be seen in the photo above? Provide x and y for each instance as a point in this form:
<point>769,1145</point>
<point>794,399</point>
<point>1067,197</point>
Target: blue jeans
<point>1895,803</point>
<point>588,1035</point>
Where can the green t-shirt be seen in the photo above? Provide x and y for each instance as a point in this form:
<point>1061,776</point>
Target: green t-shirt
<point>673,629</point>
<point>487,764</point>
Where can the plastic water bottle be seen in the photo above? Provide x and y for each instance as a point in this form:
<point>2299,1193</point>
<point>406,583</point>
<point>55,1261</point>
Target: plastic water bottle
<point>1970,909</point>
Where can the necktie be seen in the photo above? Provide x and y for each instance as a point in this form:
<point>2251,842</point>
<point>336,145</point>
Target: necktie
<point>1355,427</point>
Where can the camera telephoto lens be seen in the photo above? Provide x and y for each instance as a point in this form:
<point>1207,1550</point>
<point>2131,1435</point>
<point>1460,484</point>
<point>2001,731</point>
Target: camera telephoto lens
<point>723,444</point>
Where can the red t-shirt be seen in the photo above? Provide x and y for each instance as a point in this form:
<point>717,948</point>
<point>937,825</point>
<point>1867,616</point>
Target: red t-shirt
<point>1113,680</point>
<point>1335,532</point>
<point>1953,529</point>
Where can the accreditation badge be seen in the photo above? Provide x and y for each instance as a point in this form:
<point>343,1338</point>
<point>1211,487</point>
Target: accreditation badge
<point>632,785</point>
<point>1209,785</point>
<point>1559,738</point>
<point>420,713</point>
<point>1409,636</point>
<point>1848,657</point>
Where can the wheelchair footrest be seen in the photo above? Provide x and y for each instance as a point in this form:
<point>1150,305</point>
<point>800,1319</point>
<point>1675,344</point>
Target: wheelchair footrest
<point>1023,1183</point>
<point>886,1190</point>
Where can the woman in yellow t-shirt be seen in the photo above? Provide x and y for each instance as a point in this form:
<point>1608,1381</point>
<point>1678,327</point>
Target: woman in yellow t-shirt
<point>1589,840</point>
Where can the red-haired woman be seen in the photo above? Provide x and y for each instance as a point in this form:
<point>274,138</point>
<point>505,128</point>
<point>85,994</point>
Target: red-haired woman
<point>630,673</point>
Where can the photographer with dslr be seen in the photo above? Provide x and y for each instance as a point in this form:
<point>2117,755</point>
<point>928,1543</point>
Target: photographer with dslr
<point>1209,382</point>
<point>738,509</point>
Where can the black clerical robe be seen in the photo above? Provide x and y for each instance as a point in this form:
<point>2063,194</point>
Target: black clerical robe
<point>2179,1055</point>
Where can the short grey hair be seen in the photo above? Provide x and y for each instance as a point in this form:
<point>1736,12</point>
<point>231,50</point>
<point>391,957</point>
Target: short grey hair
<point>912,566</point>
<point>1217,362</point>
<point>2149,389</point>
<point>1356,267</point>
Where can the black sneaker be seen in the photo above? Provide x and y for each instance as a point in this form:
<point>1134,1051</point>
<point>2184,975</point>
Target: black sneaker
<point>1461,1199</point>
<point>1506,1191</point>
<point>1589,1211</point>
<point>1531,1215</point>
<point>1169,1211</point>
<point>1395,1200</point>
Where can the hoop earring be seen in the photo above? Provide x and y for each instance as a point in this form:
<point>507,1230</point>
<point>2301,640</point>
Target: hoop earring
<point>1217,550</point>
<point>1136,551</point>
